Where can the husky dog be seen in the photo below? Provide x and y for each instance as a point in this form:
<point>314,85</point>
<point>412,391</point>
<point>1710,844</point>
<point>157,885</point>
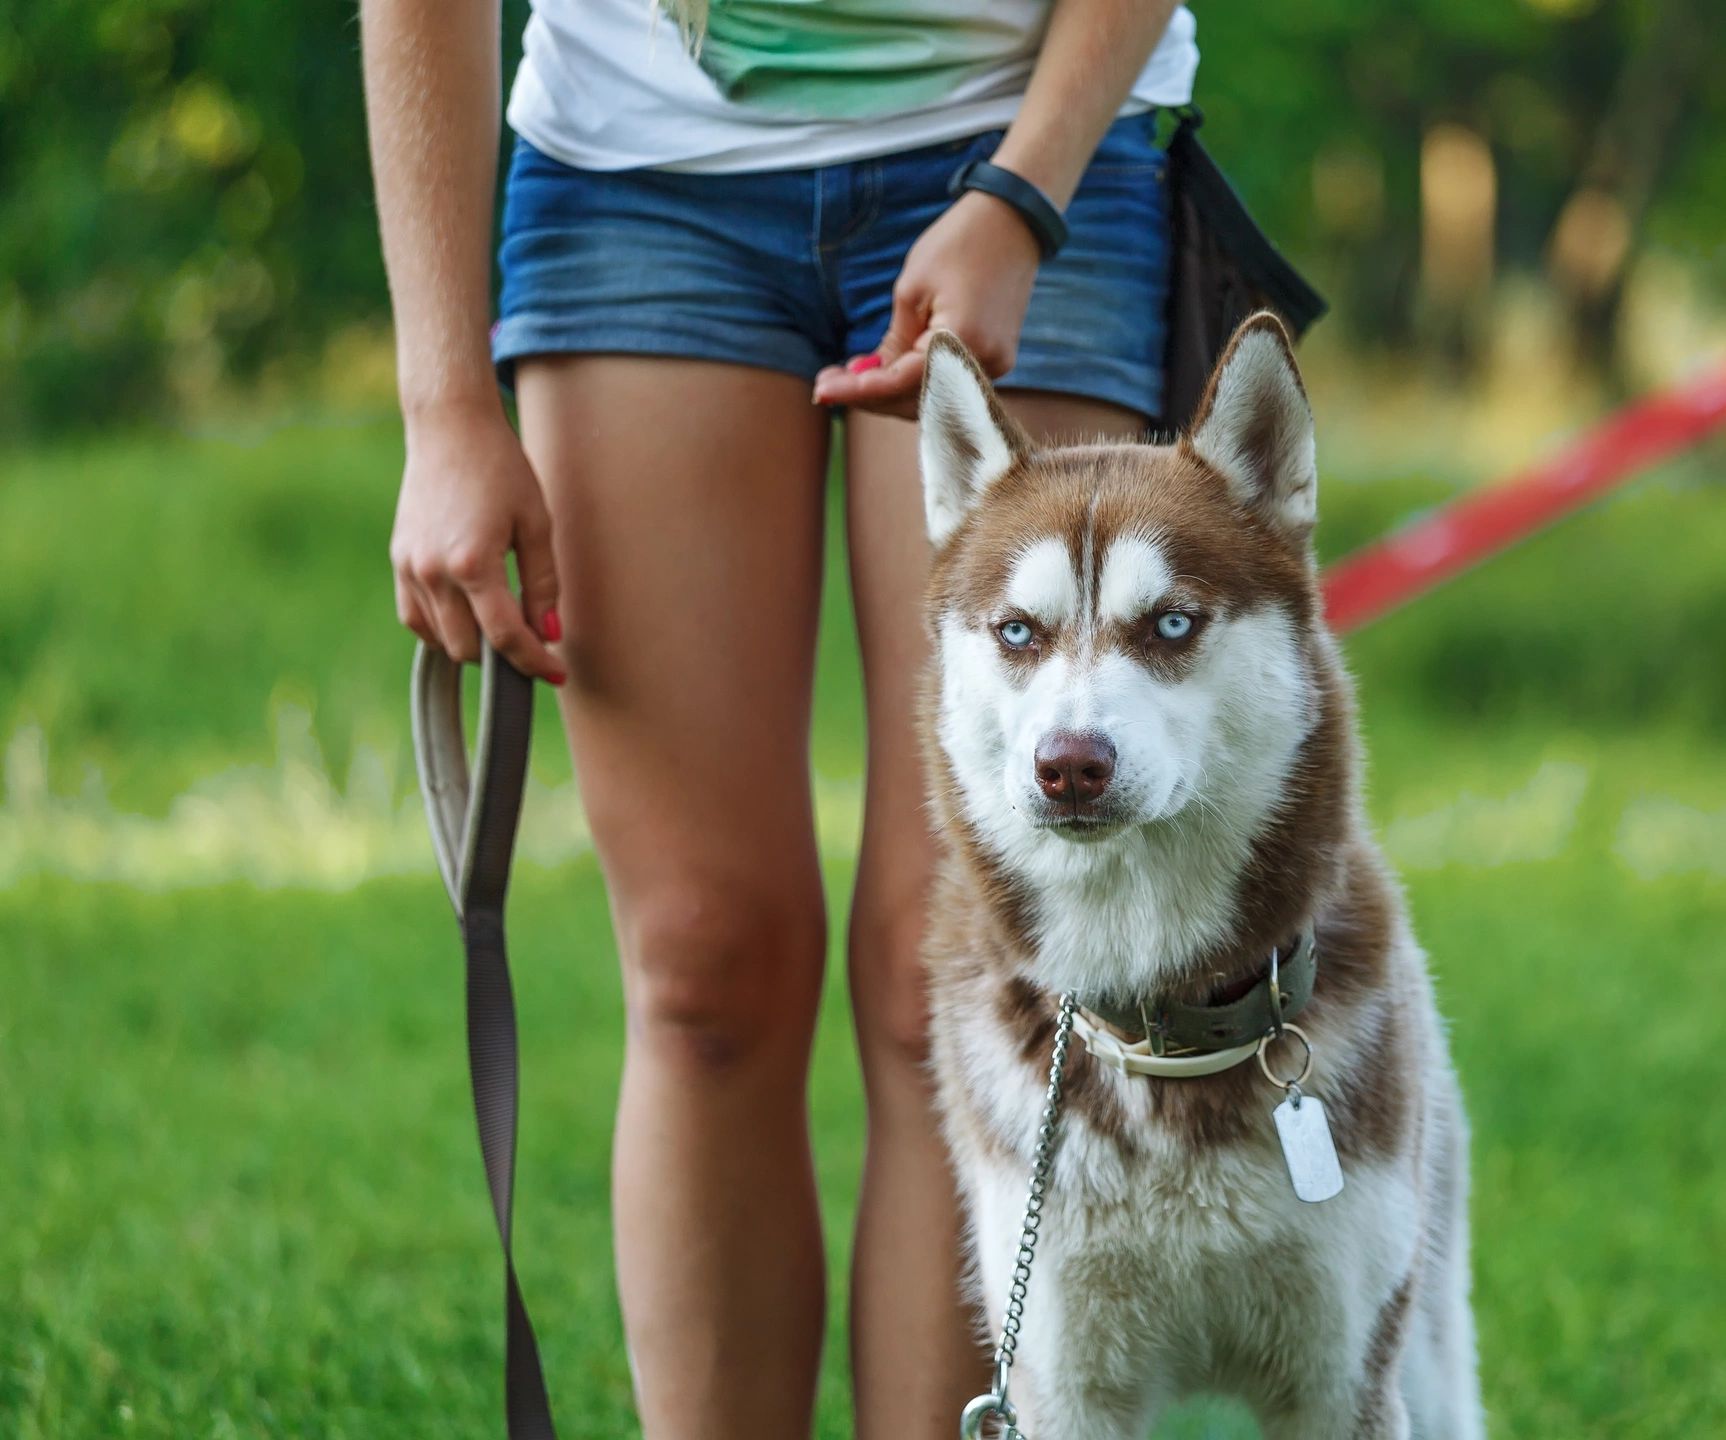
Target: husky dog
<point>1142,754</point>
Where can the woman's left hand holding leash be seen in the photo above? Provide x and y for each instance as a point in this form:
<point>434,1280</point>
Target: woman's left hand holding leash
<point>971,273</point>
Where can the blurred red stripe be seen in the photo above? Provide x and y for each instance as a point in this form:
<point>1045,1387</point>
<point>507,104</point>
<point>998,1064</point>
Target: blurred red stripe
<point>1429,551</point>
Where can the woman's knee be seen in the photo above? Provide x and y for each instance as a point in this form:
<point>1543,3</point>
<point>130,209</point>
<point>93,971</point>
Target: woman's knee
<point>720,971</point>
<point>889,980</point>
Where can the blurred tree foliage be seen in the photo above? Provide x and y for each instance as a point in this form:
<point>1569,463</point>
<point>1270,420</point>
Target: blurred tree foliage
<point>184,192</point>
<point>184,196</point>
<point>1318,111</point>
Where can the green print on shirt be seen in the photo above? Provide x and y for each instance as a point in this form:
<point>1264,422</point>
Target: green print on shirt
<point>844,59</point>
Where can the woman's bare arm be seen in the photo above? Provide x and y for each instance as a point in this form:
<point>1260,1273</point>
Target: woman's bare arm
<point>1092,53</point>
<point>468,496</point>
<point>971,271</point>
<point>432,111</point>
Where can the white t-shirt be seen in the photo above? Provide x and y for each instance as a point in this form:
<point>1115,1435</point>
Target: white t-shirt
<point>609,84</point>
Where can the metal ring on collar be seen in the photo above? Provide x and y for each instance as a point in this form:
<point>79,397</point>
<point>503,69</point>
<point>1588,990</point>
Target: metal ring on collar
<point>1289,1028</point>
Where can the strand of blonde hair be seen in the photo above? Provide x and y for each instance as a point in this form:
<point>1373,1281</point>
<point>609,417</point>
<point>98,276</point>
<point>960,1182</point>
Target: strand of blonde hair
<point>690,17</point>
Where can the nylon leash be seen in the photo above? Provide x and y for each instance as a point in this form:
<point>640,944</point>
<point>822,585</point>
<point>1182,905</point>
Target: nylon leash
<point>473,819</point>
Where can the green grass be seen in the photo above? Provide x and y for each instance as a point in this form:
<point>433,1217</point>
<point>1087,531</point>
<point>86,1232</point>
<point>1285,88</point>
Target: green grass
<point>241,1195</point>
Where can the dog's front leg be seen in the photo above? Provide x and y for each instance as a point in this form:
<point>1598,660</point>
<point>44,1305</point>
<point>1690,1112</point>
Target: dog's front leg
<point>1368,1406</point>
<point>1084,1372</point>
<point>1055,1402</point>
<point>1359,1401</point>
<point>1381,1413</point>
<point>1073,1378</point>
<point>1378,1415</point>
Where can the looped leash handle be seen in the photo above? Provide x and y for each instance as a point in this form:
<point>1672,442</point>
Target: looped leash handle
<point>473,817</point>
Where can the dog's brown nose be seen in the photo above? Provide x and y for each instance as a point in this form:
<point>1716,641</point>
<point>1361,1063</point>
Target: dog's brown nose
<point>1074,768</point>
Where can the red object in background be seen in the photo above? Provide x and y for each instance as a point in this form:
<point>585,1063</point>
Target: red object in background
<point>1424,554</point>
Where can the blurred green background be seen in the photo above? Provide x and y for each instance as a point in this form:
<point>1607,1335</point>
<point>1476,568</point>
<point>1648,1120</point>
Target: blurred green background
<point>238,1188</point>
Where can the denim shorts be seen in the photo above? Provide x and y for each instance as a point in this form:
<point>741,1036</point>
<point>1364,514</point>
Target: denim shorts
<point>793,269</point>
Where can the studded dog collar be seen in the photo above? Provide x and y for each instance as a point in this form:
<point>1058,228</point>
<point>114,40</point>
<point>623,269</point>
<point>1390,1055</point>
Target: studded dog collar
<point>1170,1038</point>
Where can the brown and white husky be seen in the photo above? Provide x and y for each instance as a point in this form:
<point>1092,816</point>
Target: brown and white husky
<point>1142,750</point>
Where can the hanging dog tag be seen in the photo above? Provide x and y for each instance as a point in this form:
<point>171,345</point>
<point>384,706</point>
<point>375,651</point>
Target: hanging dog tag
<point>1308,1149</point>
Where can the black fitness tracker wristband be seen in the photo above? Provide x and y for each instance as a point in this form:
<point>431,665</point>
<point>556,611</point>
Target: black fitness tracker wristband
<point>1034,207</point>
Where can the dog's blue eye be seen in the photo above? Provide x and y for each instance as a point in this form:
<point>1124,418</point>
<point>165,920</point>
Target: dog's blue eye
<point>1015,634</point>
<point>1173,625</point>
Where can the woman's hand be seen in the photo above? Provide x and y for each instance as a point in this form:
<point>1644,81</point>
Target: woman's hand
<point>971,273</point>
<point>468,498</point>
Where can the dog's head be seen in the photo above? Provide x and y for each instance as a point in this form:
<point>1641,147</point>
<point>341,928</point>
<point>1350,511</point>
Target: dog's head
<point>1123,632</point>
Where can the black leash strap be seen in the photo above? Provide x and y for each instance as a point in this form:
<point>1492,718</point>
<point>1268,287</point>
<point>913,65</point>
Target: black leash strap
<point>473,823</point>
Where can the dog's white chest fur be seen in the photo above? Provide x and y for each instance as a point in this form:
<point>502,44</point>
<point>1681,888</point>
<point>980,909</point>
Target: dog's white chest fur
<point>1164,1269</point>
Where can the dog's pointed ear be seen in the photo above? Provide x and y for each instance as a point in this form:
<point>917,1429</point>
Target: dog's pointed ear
<point>1255,427</point>
<point>966,441</point>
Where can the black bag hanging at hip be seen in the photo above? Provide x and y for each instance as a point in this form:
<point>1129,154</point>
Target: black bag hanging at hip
<point>1224,268</point>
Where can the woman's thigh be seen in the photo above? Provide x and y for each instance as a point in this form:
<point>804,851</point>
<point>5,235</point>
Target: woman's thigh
<point>686,500</point>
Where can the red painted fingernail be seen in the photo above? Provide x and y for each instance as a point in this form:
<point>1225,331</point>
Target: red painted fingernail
<point>551,627</point>
<point>862,363</point>
<point>557,677</point>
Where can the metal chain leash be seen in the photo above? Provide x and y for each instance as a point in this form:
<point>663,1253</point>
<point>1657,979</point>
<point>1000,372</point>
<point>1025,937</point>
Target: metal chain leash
<point>996,1401</point>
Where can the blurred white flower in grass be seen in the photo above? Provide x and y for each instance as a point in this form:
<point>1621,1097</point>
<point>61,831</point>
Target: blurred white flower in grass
<point>291,824</point>
<point>1659,835</point>
<point>1535,822</point>
<point>285,825</point>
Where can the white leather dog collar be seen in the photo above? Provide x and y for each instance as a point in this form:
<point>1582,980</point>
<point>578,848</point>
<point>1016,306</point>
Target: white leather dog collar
<point>1136,1058</point>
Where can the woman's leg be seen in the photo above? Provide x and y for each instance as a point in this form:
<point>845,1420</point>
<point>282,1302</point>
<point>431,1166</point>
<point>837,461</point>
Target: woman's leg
<point>915,1351</point>
<point>686,499</point>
